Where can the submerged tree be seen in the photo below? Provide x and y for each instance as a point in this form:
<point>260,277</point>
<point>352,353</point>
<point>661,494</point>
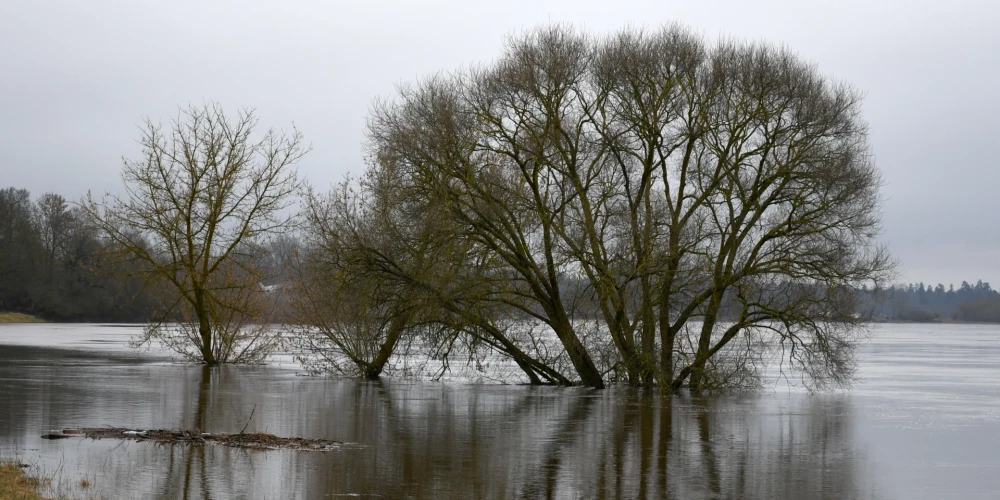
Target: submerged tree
<point>198,205</point>
<point>705,205</point>
<point>376,268</point>
<point>353,317</point>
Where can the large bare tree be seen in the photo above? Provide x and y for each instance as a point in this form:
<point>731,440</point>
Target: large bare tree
<point>708,206</point>
<point>198,204</point>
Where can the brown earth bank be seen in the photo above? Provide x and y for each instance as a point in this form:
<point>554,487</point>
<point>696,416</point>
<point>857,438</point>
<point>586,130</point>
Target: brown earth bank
<point>250,440</point>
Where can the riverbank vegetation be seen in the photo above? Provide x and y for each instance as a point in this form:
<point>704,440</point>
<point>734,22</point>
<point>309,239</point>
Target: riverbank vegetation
<point>10,317</point>
<point>15,484</point>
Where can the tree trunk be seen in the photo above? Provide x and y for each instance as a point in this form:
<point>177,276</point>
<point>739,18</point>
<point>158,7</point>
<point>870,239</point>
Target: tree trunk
<point>396,328</point>
<point>648,337</point>
<point>704,343</point>
<point>623,335</point>
<point>585,367</point>
<point>528,370</point>
<point>631,356</point>
<point>204,329</point>
<point>533,368</point>
<point>666,341</point>
<point>530,366</point>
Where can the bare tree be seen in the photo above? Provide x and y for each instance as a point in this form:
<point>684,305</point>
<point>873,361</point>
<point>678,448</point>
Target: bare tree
<point>198,204</point>
<point>55,223</point>
<point>380,266</point>
<point>708,207</point>
<point>352,320</point>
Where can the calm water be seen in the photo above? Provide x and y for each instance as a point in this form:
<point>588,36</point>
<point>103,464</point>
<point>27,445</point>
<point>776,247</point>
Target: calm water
<point>923,422</point>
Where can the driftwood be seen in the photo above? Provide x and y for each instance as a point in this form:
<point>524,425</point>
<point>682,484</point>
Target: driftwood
<point>254,441</point>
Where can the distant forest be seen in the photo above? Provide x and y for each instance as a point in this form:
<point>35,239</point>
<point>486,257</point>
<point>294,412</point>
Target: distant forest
<point>50,267</point>
<point>927,303</point>
<point>50,264</point>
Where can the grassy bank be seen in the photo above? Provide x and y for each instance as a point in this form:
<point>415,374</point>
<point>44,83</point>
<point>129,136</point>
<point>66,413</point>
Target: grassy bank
<point>16,485</point>
<point>18,318</point>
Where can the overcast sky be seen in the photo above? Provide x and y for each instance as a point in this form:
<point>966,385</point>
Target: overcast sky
<point>76,78</point>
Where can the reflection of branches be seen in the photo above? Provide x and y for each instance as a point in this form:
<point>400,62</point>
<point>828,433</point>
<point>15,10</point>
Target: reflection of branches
<point>551,455</point>
<point>239,416</point>
<point>707,450</point>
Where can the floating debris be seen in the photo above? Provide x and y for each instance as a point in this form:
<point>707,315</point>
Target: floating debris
<point>253,441</point>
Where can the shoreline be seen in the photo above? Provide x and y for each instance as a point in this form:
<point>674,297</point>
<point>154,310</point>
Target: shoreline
<point>16,483</point>
<point>14,317</point>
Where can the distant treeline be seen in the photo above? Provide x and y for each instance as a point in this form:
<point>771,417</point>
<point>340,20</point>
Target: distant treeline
<point>926,303</point>
<point>50,267</point>
<point>50,264</point>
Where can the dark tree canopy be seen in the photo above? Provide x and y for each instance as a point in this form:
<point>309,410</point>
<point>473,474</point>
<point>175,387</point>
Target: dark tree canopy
<point>50,264</point>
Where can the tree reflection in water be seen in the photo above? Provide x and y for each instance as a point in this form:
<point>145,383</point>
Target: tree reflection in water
<point>431,440</point>
<point>428,442</point>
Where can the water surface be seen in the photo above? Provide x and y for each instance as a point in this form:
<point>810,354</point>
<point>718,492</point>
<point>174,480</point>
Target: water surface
<point>923,421</point>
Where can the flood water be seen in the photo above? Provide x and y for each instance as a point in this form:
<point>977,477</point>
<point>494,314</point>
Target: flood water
<point>923,421</point>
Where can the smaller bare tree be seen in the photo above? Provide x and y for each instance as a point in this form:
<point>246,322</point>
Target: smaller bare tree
<point>198,203</point>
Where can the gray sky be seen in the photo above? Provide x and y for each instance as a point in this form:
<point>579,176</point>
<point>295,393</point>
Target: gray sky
<point>76,77</point>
